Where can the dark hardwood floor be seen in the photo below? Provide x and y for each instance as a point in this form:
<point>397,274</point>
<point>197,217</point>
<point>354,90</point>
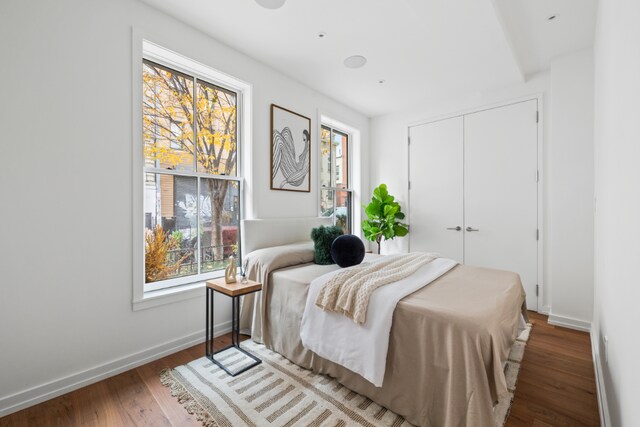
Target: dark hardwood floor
<point>556,387</point>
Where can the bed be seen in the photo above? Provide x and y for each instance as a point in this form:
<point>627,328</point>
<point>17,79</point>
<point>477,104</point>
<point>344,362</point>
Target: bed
<point>448,341</point>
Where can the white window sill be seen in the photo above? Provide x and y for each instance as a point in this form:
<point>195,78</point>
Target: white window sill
<point>169,295</point>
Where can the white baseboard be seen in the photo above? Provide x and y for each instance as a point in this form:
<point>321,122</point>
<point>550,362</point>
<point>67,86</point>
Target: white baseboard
<point>569,322</point>
<point>603,406</point>
<point>546,309</point>
<point>43,392</point>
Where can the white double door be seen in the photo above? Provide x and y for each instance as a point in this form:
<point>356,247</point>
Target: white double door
<point>473,193</point>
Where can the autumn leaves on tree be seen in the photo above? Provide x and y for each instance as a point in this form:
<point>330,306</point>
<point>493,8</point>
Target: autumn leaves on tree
<point>191,125</point>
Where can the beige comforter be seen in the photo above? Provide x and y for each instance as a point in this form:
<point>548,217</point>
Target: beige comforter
<point>448,342</point>
<point>260,265</point>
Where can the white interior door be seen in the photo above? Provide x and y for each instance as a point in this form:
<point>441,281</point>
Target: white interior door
<point>501,191</point>
<point>436,188</point>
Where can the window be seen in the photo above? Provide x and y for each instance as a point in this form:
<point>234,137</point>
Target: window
<point>336,194</point>
<point>192,190</point>
<point>176,132</point>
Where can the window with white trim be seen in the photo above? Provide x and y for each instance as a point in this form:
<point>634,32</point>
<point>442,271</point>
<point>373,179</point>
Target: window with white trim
<point>336,194</point>
<point>192,188</point>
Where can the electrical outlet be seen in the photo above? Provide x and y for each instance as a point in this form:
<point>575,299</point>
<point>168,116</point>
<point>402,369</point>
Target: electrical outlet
<point>606,349</point>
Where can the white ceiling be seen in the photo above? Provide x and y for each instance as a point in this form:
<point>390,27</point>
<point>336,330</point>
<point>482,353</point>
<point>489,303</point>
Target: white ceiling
<point>536,40</point>
<point>425,50</point>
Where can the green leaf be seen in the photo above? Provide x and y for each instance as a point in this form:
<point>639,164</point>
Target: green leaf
<point>400,230</point>
<point>374,210</point>
<point>399,215</point>
<point>366,229</point>
<point>388,233</point>
<point>380,193</point>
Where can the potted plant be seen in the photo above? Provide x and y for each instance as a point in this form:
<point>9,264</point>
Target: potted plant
<point>383,217</point>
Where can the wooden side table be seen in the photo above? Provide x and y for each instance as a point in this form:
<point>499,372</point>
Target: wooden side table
<point>234,291</point>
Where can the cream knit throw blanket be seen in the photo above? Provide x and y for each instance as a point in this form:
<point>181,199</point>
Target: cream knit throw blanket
<point>348,291</point>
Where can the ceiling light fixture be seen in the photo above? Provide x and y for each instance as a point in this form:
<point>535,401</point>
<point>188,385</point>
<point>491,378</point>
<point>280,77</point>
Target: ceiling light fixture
<point>322,35</point>
<point>355,61</point>
<point>271,4</point>
<point>552,17</point>
<point>382,81</point>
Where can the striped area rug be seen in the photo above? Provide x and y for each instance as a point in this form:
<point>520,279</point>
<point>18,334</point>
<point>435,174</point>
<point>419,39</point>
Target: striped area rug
<point>280,394</point>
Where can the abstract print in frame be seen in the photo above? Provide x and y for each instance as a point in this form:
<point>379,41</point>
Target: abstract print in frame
<point>290,150</point>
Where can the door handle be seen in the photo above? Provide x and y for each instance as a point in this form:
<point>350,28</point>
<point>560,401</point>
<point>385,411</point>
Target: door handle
<point>471,229</point>
<point>457,228</point>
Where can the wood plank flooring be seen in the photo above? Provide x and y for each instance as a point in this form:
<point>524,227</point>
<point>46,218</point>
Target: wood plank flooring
<point>556,387</point>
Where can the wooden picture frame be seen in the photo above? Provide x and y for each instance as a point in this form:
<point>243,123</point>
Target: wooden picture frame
<point>290,165</point>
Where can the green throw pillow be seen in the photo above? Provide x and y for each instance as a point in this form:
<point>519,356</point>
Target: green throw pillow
<point>323,237</point>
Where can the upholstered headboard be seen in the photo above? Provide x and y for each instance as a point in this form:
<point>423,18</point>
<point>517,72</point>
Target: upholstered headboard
<point>263,233</point>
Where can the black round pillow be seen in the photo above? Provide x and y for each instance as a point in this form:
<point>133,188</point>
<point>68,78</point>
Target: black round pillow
<point>347,250</point>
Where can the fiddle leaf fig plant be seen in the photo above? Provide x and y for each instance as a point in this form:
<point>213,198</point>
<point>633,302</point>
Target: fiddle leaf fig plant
<point>384,217</point>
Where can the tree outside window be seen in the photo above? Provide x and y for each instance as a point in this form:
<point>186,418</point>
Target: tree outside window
<point>192,190</point>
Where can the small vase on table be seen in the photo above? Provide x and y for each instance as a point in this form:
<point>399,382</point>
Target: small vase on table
<point>231,271</point>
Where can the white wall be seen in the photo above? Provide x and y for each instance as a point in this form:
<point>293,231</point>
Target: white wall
<point>66,217</point>
<point>567,174</point>
<point>617,235</point>
<point>570,189</point>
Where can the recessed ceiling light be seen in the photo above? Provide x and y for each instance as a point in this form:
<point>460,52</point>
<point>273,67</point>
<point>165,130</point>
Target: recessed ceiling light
<point>271,4</point>
<point>552,17</point>
<point>322,35</point>
<point>355,61</point>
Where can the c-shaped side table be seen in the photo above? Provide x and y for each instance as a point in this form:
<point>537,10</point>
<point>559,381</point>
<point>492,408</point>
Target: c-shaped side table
<point>235,291</point>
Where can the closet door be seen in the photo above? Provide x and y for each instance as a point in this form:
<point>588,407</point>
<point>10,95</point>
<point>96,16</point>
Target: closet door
<point>435,192</point>
<point>501,191</point>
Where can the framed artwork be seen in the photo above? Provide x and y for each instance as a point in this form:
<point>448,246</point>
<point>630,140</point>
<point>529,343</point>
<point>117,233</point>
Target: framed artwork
<point>290,150</point>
